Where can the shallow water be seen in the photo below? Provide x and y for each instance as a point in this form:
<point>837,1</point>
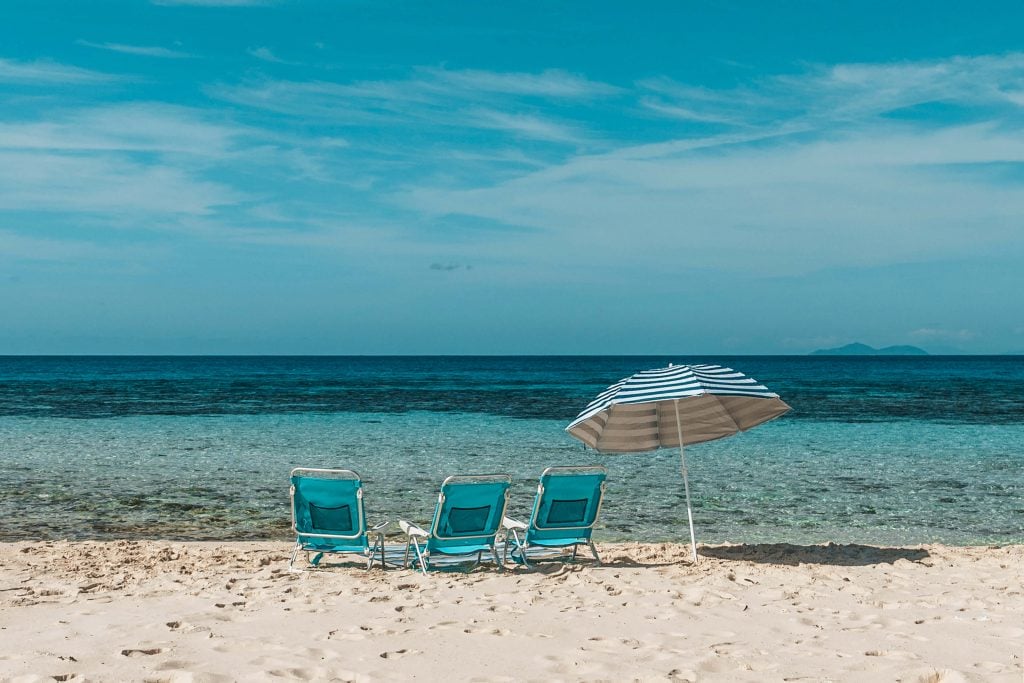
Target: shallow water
<point>889,451</point>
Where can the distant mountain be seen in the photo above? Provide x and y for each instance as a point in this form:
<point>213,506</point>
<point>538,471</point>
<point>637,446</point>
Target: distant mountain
<point>858,349</point>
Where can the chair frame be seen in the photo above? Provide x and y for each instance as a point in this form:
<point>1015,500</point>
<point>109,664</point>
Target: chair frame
<point>374,532</point>
<point>413,532</point>
<point>521,545</point>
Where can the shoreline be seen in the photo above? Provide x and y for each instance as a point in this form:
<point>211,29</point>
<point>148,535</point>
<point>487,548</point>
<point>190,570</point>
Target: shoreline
<point>212,611</point>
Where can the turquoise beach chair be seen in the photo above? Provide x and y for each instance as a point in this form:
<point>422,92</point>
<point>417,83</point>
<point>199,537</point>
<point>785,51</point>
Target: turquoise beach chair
<point>565,511</point>
<point>467,520</point>
<point>328,516</point>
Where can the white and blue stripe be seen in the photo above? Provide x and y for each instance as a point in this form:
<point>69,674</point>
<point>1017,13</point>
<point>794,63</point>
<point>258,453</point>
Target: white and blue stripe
<point>637,413</point>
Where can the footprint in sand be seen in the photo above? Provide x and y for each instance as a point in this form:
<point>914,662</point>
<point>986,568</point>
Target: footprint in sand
<point>893,654</point>
<point>297,674</point>
<point>137,652</point>
<point>395,654</point>
<point>352,634</point>
<point>174,665</point>
<point>443,625</point>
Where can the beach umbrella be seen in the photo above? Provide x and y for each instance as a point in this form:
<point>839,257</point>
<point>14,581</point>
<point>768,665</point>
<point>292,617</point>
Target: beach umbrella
<point>675,406</point>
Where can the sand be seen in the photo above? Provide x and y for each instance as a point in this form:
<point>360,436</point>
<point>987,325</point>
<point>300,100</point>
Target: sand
<point>162,611</point>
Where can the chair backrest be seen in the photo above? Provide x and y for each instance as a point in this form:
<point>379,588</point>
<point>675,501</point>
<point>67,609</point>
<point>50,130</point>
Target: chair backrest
<point>328,504</point>
<point>469,510</point>
<point>568,502</point>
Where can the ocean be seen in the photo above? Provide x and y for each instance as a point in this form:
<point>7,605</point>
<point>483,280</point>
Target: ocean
<point>877,450</point>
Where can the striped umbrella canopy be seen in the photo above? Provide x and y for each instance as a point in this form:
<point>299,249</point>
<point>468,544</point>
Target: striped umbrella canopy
<point>675,407</point>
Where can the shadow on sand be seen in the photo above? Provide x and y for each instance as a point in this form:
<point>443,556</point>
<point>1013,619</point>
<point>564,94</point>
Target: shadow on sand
<point>850,555</point>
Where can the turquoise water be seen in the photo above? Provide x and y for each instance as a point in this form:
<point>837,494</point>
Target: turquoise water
<point>201,448</point>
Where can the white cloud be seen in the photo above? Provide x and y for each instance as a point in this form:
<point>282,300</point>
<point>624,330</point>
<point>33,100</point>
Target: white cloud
<point>135,127</point>
<point>845,92</point>
<point>551,83</point>
<point>863,198</point>
<point>46,72</point>
<point>524,125</point>
<point>811,176</point>
<point>112,184</point>
<point>686,113</point>
<point>266,54</point>
<point>470,98</point>
<point>141,50</point>
<point>118,160</point>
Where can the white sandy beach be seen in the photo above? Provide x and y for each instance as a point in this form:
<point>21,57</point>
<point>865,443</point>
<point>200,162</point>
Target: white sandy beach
<point>162,611</point>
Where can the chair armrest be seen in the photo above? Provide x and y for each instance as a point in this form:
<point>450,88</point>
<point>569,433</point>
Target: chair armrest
<point>411,529</point>
<point>378,527</point>
<point>510,523</point>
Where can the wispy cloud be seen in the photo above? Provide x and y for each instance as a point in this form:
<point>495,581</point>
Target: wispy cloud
<point>118,161</point>
<point>551,83</point>
<point>845,92</point>
<point>141,50</point>
<point>46,72</point>
<point>154,166</point>
<point>471,98</point>
<point>525,125</point>
<point>810,172</point>
<point>52,182</point>
<point>137,127</point>
<point>267,55</point>
<point>794,205</point>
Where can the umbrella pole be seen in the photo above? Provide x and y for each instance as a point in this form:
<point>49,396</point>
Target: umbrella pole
<point>686,481</point>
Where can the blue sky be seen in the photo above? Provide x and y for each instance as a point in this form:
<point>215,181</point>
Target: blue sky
<point>226,176</point>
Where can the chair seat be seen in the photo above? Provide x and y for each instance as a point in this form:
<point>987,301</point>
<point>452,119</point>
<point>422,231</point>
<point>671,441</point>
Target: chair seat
<point>557,542</point>
<point>333,545</point>
<point>461,549</point>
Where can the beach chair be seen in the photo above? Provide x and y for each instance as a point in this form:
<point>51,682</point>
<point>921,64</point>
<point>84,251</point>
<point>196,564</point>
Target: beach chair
<point>328,516</point>
<point>466,522</point>
<point>564,513</point>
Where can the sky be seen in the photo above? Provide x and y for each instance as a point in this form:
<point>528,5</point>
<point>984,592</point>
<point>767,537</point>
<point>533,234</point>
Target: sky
<point>374,177</point>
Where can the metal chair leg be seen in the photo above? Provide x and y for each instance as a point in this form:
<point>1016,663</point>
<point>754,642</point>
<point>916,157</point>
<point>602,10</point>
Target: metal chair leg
<point>593,549</point>
<point>378,547</point>
<point>419,556</point>
<point>497,560</point>
<point>522,553</point>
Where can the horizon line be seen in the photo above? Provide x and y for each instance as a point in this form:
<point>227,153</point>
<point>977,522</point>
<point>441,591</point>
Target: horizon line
<point>498,355</point>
